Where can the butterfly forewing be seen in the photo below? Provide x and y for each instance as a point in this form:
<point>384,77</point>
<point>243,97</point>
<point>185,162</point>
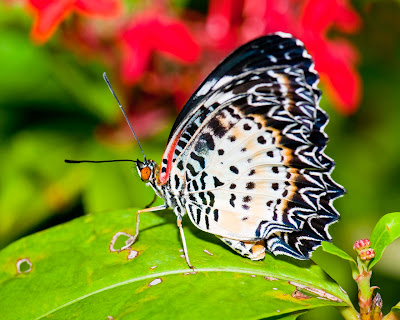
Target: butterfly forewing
<point>245,158</point>
<point>269,51</point>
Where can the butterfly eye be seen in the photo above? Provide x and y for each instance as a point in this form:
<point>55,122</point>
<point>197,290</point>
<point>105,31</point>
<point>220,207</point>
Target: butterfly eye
<point>145,173</point>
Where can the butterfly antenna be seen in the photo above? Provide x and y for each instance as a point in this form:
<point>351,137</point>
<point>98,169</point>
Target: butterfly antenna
<point>123,111</point>
<point>100,161</point>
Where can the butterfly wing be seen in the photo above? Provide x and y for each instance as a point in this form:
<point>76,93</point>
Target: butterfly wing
<point>269,51</point>
<point>247,159</point>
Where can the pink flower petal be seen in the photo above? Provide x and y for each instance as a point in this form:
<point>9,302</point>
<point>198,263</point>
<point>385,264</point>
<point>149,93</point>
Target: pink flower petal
<point>47,16</point>
<point>318,15</point>
<point>280,17</point>
<point>223,16</point>
<point>347,19</point>
<point>154,33</point>
<point>134,63</point>
<point>338,72</point>
<point>175,39</point>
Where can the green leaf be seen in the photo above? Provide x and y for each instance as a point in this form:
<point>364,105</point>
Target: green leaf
<point>290,316</point>
<point>394,314</point>
<point>385,232</point>
<point>332,249</point>
<point>74,275</point>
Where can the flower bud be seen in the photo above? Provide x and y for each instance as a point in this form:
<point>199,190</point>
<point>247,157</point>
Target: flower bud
<point>367,254</point>
<point>362,244</point>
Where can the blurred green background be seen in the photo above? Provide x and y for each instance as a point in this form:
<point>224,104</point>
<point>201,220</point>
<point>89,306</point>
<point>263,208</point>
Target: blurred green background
<point>54,105</point>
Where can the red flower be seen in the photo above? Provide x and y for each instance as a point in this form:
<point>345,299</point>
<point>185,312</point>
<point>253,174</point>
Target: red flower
<point>48,14</point>
<point>334,59</point>
<point>310,21</point>
<point>223,22</point>
<point>154,32</point>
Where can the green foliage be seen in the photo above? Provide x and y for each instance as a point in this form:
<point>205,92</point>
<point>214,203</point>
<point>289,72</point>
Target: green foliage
<point>74,275</point>
<point>332,249</point>
<point>385,232</point>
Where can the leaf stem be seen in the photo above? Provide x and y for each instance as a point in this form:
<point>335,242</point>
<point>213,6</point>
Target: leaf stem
<point>363,279</point>
<point>348,313</point>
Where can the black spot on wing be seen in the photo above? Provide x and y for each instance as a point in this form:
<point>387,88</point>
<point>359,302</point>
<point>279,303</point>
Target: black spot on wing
<point>182,144</point>
<point>180,165</point>
<point>199,159</point>
<point>217,182</point>
<point>250,185</point>
<point>246,199</point>
<point>232,200</point>
<point>234,169</point>
<point>191,169</point>
<point>177,182</point>
<point>212,198</point>
<point>261,140</point>
<point>203,183</point>
<point>207,222</point>
<point>216,215</point>
<point>203,198</point>
<point>198,215</point>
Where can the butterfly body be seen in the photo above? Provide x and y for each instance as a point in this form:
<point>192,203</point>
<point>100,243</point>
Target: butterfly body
<point>245,158</point>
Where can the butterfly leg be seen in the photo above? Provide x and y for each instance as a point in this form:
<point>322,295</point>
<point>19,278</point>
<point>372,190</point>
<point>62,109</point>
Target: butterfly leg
<point>133,238</point>
<point>254,250</point>
<point>179,223</point>
<point>152,201</point>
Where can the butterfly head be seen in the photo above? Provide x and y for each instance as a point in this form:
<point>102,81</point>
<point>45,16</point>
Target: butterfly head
<point>147,170</point>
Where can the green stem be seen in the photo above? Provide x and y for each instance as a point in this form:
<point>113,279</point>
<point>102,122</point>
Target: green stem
<point>348,313</point>
<point>364,288</point>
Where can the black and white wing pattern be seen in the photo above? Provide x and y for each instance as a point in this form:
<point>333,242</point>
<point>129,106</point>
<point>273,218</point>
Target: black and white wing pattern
<point>245,158</point>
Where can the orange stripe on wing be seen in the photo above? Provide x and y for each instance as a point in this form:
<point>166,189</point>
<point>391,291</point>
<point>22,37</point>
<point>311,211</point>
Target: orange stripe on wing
<point>168,154</point>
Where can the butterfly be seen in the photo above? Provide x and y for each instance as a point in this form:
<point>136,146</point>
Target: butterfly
<point>245,157</point>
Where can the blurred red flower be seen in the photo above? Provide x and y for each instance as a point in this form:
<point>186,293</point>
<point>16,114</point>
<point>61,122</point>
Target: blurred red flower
<point>154,32</point>
<point>49,14</point>
<point>232,22</point>
<point>135,47</point>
